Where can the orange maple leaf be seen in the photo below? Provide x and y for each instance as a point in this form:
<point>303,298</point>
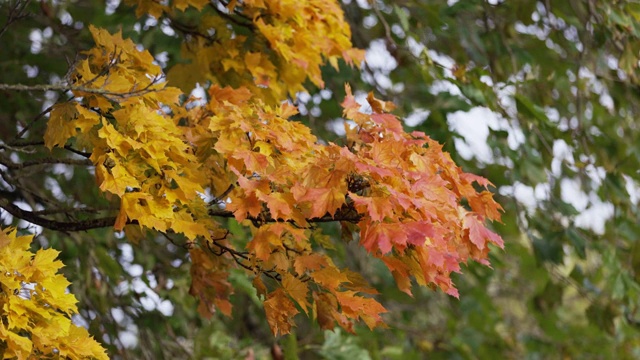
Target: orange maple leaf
<point>325,200</point>
<point>280,311</point>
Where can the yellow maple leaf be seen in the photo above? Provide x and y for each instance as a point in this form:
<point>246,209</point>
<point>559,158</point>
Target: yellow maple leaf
<point>45,264</point>
<point>57,327</point>
<point>297,289</point>
<point>17,346</point>
<point>79,344</point>
<point>55,291</point>
<point>61,126</point>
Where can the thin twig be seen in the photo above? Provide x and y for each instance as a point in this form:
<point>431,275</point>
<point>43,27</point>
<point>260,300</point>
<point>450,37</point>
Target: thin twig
<point>227,16</point>
<point>385,24</point>
<point>186,29</point>
<point>15,14</point>
<point>221,197</point>
<point>78,152</point>
<point>29,125</point>
<point>239,257</point>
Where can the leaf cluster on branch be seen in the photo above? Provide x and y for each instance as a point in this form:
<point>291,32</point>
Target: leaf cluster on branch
<point>157,152</point>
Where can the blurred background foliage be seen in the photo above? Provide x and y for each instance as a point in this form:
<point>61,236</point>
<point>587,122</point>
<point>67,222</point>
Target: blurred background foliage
<point>540,97</point>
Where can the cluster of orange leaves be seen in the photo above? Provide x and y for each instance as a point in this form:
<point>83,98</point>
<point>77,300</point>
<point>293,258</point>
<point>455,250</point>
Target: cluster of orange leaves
<point>34,307</point>
<point>158,153</point>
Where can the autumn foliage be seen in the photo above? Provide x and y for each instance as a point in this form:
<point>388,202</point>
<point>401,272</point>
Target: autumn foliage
<point>34,307</point>
<point>176,165</point>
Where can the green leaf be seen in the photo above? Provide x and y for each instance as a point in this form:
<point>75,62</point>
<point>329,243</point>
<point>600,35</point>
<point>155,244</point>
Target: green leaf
<point>108,264</point>
<point>530,110</point>
<point>403,16</point>
<point>547,249</point>
<point>241,282</point>
<point>577,241</point>
<point>602,317</point>
<point>340,346</point>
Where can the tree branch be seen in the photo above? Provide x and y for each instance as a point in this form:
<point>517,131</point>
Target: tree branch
<point>340,215</point>
<point>66,87</point>
<point>53,224</point>
<point>82,225</point>
<point>15,145</point>
<point>43,161</point>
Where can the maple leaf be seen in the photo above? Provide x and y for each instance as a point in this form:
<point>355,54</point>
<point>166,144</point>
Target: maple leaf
<point>377,208</point>
<point>279,204</point>
<point>113,177</point>
<point>479,234</point>
<point>278,260</point>
<point>243,204</point>
<point>325,306</point>
<point>263,242</point>
<point>79,344</point>
<point>358,283</point>
<point>379,236</point>
<point>323,240</point>
<point>403,281</point>
<point>280,311</point>
<point>475,178</point>
<point>45,264</point>
<point>310,262</point>
<point>297,289</point>
<point>55,288</point>
<point>387,236</point>
<point>483,203</point>
<point>379,106</point>
<point>418,231</point>
<point>209,283</point>
<point>354,306</point>
<point>17,346</point>
<point>58,327</point>
<point>60,126</point>
<point>350,105</point>
<point>258,284</point>
<point>148,210</point>
<point>189,228</point>
<point>330,277</point>
<point>388,121</point>
<point>325,200</point>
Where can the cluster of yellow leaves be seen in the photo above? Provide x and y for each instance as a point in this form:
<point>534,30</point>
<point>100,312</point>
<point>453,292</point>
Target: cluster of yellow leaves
<point>34,307</point>
<point>136,146</point>
<point>158,155</point>
<point>289,42</point>
<point>157,8</point>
